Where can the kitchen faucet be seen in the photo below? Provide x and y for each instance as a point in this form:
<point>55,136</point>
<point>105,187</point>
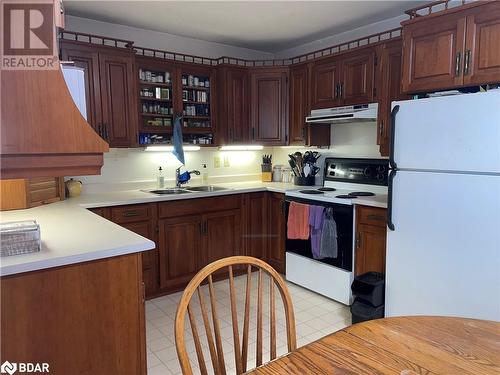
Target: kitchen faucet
<point>178,182</point>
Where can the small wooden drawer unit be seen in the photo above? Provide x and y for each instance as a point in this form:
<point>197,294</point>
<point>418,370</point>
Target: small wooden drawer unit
<point>198,206</point>
<point>130,213</point>
<point>370,239</point>
<point>372,215</point>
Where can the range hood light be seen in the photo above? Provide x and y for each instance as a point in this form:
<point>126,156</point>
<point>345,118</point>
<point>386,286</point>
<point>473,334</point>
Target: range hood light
<point>171,148</point>
<point>344,115</point>
<point>241,148</point>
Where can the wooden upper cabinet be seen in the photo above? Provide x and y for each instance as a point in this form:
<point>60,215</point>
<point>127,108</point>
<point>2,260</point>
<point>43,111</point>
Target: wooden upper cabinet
<point>343,80</point>
<point>452,49</point>
<point>299,106</point>
<point>357,84</point>
<point>233,90</point>
<point>482,46</point>
<point>119,108</point>
<point>325,78</point>
<point>238,102</point>
<point>110,90</point>
<point>88,60</point>
<point>433,54</point>
<point>389,84</point>
<point>269,93</point>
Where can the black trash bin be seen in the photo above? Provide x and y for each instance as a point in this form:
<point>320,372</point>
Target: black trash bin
<point>368,290</point>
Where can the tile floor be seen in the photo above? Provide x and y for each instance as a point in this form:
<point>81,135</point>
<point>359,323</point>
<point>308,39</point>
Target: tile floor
<point>315,315</point>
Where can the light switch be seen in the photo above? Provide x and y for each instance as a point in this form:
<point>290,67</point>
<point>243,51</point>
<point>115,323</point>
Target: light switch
<point>226,161</point>
<point>217,161</point>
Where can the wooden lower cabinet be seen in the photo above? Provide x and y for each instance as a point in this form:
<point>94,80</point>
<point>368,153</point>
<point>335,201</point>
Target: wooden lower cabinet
<point>221,236</point>
<point>86,318</point>
<point>192,233</point>
<point>370,239</point>
<point>180,250</point>
<point>149,258</point>
<point>276,236</point>
<point>255,231</point>
<point>140,219</point>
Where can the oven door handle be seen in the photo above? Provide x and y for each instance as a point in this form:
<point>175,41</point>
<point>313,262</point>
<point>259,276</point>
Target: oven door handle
<point>390,223</point>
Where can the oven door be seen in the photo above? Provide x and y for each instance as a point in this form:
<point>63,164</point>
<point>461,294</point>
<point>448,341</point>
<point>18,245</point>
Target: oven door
<point>343,216</point>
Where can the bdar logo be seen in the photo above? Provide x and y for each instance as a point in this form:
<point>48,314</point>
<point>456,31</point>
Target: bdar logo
<point>8,368</point>
<point>28,40</point>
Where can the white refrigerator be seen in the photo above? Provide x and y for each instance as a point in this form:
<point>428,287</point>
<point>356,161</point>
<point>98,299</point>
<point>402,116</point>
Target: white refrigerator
<point>443,237</point>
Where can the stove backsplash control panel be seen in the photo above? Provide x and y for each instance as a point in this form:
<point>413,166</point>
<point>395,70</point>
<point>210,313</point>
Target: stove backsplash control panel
<point>361,171</point>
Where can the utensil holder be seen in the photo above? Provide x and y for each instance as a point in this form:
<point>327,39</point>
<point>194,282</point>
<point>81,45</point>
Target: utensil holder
<point>304,181</point>
<point>267,174</point>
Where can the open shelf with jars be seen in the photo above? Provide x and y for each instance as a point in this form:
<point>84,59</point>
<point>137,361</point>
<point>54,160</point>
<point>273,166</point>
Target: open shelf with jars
<point>156,97</point>
<point>196,107</point>
<point>167,89</point>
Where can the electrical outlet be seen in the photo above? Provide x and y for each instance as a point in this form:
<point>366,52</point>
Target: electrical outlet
<point>226,161</point>
<point>217,161</point>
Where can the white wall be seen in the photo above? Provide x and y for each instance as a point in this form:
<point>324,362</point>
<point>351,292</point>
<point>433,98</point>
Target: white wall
<point>161,41</point>
<point>126,169</point>
<point>360,32</point>
<point>347,140</point>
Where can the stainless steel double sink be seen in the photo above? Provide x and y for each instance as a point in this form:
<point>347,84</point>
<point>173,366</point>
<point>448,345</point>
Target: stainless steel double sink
<point>186,190</point>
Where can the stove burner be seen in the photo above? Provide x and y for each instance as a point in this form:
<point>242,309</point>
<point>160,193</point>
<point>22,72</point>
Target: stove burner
<point>326,189</point>
<point>361,194</point>
<point>345,196</point>
<point>310,191</point>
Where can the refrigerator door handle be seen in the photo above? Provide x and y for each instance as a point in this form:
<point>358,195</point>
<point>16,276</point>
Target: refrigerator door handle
<point>392,174</point>
<point>392,162</point>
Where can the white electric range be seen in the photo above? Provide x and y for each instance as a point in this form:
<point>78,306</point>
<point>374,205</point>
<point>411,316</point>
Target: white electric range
<point>345,181</point>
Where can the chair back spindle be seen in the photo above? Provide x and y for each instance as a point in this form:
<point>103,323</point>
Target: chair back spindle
<point>211,327</point>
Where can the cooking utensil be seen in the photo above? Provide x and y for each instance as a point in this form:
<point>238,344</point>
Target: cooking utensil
<point>294,167</point>
<point>307,170</point>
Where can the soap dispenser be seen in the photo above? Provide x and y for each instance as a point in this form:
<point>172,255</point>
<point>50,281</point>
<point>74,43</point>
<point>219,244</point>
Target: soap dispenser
<point>160,180</point>
<point>204,174</point>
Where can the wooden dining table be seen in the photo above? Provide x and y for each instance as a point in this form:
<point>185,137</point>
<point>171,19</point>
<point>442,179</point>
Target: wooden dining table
<point>402,345</point>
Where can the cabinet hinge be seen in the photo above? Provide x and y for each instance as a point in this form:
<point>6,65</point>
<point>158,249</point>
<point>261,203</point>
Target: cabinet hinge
<point>358,240</point>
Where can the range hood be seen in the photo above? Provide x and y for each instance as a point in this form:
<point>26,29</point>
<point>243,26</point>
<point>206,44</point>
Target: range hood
<point>42,133</point>
<point>354,113</point>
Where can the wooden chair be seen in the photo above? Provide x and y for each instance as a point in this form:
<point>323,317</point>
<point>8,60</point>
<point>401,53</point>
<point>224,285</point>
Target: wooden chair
<point>240,347</point>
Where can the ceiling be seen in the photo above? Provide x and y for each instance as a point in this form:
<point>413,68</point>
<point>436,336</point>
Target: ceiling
<point>269,26</point>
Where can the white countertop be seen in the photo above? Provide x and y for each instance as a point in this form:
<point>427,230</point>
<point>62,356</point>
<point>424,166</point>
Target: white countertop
<point>118,198</point>
<point>379,200</point>
<point>71,234</point>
